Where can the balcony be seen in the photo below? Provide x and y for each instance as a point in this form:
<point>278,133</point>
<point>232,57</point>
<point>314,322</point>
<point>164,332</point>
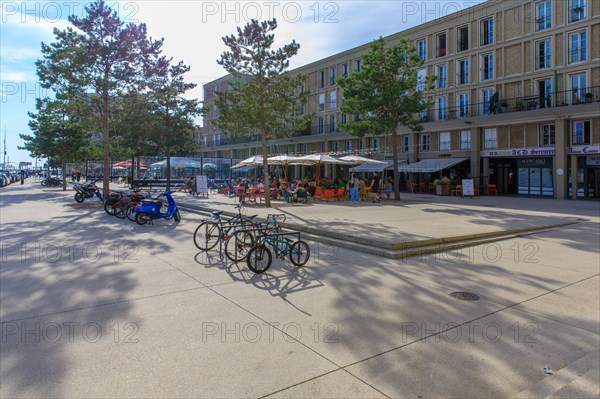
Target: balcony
<point>573,97</point>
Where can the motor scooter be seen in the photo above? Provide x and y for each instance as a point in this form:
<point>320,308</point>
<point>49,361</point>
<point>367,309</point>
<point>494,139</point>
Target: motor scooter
<point>87,190</point>
<point>149,210</point>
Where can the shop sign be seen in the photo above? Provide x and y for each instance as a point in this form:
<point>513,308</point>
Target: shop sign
<point>521,152</point>
<point>584,149</point>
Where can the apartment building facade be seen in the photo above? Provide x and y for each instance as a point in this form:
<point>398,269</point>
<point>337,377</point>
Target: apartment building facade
<point>516,102</point>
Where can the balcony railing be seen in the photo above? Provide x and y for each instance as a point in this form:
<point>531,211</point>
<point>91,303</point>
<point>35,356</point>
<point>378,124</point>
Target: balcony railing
<point>525,103</point>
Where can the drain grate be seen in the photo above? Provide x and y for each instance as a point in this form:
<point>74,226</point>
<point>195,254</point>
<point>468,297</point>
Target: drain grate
<point>465,296</point>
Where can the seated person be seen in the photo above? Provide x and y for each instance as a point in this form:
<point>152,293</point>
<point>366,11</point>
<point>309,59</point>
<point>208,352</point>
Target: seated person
<point>274,193</point>
<point>387,189</point>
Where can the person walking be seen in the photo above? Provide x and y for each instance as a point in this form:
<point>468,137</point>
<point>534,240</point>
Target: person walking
<point>375,183</point>
<point>353,185</point>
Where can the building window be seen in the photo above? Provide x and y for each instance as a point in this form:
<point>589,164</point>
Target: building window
<point>581,133</point>
<point>463,104</point>
<point>577,10</point>
<point>463,71</point>
<point>462,39</point>
<point>321,79</point>
<point>421,79</point>
<point>547,134</point>
<point>333,100</point>
<point>545,92</point>
<point>425,143</point>
<point>442,75</point>
<point>486,32</point>
<point>344,118</point>
<point>487,66</point>
<point>332,76</point>
<point>544,54</point>
<point>359,145</point>
<point>335,146</point>
<point>490,138</point>
<point>577,47</point>
<point>321,125</point>
<point>322,102</point>
<point>332,127</point>
<point>445,141</point>
<point>578,88</point>
<point>404,144</point>
<point>422,49</point>
<point>465,140</point>
<point>345,70</point>
<point>543,15</point>
<point>374,143</point>
<point>440,40</point>
<point>348,146</point>
<point>442,108</point>
<point>486,95</point>
<point>358,65</point>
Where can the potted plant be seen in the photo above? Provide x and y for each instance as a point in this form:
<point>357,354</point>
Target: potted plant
<point>519,106</point>
<point>442,186</point>
<point>589,97</point>
<point>503,106</point>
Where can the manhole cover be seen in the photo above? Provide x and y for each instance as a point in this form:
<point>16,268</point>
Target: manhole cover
<point>465,296</point>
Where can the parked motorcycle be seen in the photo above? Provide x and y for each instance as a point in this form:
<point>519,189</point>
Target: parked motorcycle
<point>86,190</point>
<point>52,182</point>
<point>150,210</point>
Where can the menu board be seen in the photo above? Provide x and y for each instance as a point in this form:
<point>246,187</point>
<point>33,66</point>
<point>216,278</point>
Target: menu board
<point>467,187</point>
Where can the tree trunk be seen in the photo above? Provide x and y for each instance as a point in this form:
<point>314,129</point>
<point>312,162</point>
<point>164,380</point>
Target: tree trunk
<point>105,142</point>
<point>266,179</point>
<point>168,153</point>
<point>395,158</point>
<point>63,165</point>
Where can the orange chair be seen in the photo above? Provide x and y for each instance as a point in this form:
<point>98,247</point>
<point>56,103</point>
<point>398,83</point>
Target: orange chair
<point>318,194</point>
<point>492,190</point>
<point>328,194</point>
<point>340,194</point>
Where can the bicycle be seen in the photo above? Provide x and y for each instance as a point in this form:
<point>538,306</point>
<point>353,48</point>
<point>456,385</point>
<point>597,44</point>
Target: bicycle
<point>259,258</point>
<point>215,230</point>
<point>241,241</point>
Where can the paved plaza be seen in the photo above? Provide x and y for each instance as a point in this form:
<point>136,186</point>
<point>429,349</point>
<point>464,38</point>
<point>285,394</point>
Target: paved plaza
<point>94,306</point>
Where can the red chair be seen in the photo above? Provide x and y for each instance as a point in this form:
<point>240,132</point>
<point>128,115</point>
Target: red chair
<point>340,194</point>
<point>318,194</point>
<point>492,190</point>
<point>328,194</point>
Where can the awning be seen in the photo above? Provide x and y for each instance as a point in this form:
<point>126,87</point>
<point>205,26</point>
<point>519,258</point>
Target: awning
<point>430,165</point>
<point>369,168</point>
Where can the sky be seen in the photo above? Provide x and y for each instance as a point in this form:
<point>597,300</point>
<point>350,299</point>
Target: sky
<point>192,32</point>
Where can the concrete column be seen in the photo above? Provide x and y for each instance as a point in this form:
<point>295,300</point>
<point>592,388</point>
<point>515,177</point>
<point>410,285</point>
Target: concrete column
<point>413,154</point>
<point>476,159</point>
<point>574,182</point>
<point>485,175</point>
<point>561,131</point>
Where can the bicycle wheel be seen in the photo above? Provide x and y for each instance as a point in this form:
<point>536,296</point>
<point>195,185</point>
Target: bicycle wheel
<point>109,207</point>
<point>207,235</point>
<point>238,245</point>
<point>299,253</point>
<point>259,259</point>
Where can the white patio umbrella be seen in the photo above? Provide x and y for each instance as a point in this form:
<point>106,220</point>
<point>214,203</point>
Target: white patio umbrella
<point>283,160</point>
<point>357,160</point>
<point>318,160</point>
<point>256,160</point>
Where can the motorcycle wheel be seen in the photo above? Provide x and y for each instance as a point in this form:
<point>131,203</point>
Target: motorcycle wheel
<point>141,218</point>
<point>44,183</point>
<point>177,216</point>
<point>131,213</point>
<point>79,197</point>
<point>121,212</point>
<point>109,207</point>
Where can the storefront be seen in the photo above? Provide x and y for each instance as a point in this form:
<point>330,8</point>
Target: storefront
<point>534,177</point>
<point>588,172</point>
<point>521,171</point>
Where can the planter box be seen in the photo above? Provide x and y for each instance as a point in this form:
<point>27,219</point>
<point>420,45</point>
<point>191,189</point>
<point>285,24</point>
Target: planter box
<point>442,189</point>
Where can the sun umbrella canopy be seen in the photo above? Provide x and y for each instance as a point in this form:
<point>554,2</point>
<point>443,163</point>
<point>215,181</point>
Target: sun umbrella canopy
<point>319,159</point>
<point>357,160</point>
<point>256,160</point>
<point>282,159</point>
<point>127,164</point>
